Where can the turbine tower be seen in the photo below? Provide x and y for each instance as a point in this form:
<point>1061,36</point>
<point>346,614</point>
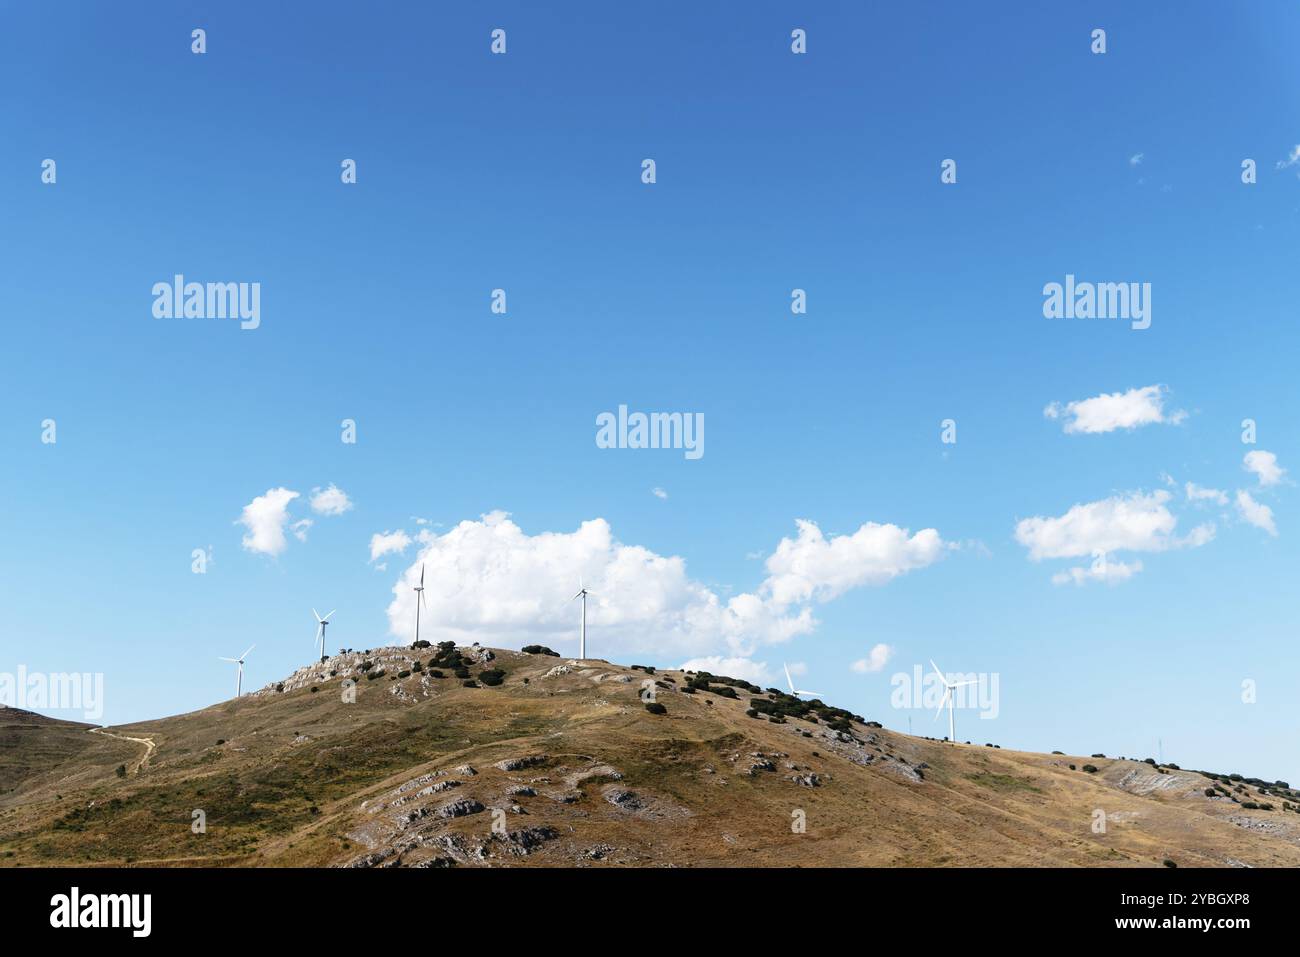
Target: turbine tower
<point>320,630</point>
<point>582,635</point>
<point>239,679</point>
<point>795,692</point>
<point>419,594</point>
<point>948,687</point>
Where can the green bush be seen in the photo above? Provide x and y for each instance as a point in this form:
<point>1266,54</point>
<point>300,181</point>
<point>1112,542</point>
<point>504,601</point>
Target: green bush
<point>1169,863</point>
<point>654,707</point>
<point>471,683</point>
<point>1210,792</point>
<point>403,673</point>
<point>1090,768</point>
<point>435,673</point>
<point>492,677</point>
<point>539,650</point>
<point>121,770</point>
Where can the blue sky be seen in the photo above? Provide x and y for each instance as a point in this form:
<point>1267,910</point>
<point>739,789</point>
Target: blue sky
<point>775,171</point>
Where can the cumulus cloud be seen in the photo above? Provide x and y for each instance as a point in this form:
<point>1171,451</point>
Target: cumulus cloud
<point>330,501</point>
<point>1264,466</point>
<point>813,567</point>
<point>265,518</point>
<point>1106,572</point>
<point>1255,513</point>
<point>658,493</point>
<point>1196,493</point>
<point>388,543</point>
<point>1133,522</point>
<point>876,660</point>
<point>1116,410</point>
<point>489,580</point>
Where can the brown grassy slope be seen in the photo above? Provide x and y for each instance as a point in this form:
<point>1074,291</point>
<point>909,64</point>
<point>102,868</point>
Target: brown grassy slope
<point>303,778</point>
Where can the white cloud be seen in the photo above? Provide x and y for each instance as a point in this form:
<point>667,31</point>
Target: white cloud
<point>299,528</point>
<point>1116,410</point>
<point>1292,159</point>
<point>1109,572</point>
<point>1264,466</point>
<point>330,501</point>
<point>489,581</point>
<point>1135,522</point>
<point>812,567</point>
<point>388,543</point>
<point>1255,513</point>
<point>744,668</point>
<point>1196,493</point>
<point>1136,159</point>
<point>658,493</point>
<point>265,518</point>
<point>875,661</point>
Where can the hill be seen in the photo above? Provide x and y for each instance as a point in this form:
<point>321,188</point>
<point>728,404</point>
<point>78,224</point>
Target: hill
<point>562,763</point>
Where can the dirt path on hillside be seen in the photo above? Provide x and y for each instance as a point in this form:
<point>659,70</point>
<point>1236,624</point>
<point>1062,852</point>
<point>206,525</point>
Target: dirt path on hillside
<point>148,747</point>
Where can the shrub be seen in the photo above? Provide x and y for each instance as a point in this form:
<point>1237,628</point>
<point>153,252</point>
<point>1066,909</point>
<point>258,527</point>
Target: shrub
<point>1090,768</point>
<point>121,770</point>
<point>435,673</point>
<point>367,665</point>
<point>1169,863</point>
<point>279,686</point>
<point>220,741</point>
<point>314,689</point>
<point>1250,805</point>
<point>1210,792</point>
<point>654,707</point>
<point>539,650</point>
<point>1150,761</point>
<point>417,667</point>
<point>460,671</point>
<point>471,683</point>
<point>404,673</point>
<point>1058,752</point>
<point>1073,768</point>
<point>1099,755</point>
<point>420,644</point>
<point>751,713</point>
<point>492,677</point>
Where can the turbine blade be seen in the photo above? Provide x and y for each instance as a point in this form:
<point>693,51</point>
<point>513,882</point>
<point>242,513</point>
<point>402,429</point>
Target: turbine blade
<point>942,676</point>
<point>421,575</point>
<point>232,660</point>
<point>316,613</point>
<point>577,596</point>
<point>788,680</point>
<point>422,601</point>
<point>245,654</point>
<point>327,617</point>
<point>942,701</point>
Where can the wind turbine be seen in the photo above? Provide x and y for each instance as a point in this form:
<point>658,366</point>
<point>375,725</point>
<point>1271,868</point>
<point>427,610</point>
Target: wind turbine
<point>419,593</point>
<point>582,635</point>
<point>239,680</point>
<point>794,691</point>
<point>320,630</point>
<point>948,686</point>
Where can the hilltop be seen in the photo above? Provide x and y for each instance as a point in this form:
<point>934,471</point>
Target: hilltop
<point>475,757</point>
